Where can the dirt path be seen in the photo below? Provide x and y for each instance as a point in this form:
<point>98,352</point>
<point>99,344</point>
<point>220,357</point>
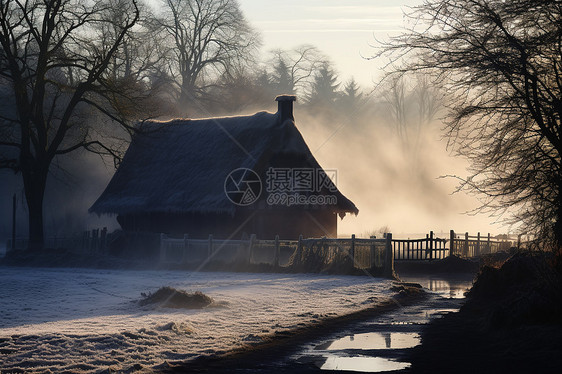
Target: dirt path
<point>319,348</point>
<point>276,354</point>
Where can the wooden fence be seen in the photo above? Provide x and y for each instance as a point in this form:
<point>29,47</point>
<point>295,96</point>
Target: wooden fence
<point>464,245</point>
<point>321,252</point>
<point>469,246</point>
<point>363,253</point>
<point>428,248</point>
<point>91,241</point>
<point>195,251</point>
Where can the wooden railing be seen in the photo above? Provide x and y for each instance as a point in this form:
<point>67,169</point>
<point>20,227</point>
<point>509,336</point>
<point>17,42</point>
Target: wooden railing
<point>429,248</point>
<point>369,253</point>
<point>91,241</point>
<point>468,246</point>
<point>364,253</point>
<point>361,253</point>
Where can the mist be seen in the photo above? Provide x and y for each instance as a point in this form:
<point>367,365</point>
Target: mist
<point>394,181</point>
<point>73,185</point>
<point>395,190</point>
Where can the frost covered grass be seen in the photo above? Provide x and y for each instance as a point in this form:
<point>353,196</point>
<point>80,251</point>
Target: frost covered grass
<point>85,320</point>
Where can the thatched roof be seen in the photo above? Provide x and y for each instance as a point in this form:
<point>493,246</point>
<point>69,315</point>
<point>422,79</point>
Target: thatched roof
<point>180,166</point>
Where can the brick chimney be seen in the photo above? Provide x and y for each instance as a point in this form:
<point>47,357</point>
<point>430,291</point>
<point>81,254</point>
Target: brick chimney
<point>285,107</point>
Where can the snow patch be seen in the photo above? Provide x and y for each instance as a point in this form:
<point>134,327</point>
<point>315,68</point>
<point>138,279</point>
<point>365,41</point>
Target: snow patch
<point>89,320</point>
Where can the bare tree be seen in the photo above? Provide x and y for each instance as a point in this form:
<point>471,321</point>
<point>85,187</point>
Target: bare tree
<point>413,101</point>
<point>428,100</point>
<point>396,95</point>
<point>138,56</point>
<point>292,71</point>
<point>205,38</point>
<point>54,67</point>
<point>500,63</point>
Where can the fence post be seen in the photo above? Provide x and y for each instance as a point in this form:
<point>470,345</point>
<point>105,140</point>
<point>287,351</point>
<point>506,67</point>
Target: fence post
<point>489,249</point>
<point>162,247</point>
<point>519,242</point>
<point>14,222</point>
<point>185,248</point>
<point>95,240</point>
<point>465,244</point>
<point>84,240</point>
<point>431,245</point>
<point>103,240</point>
<point>372,253</point>
<point>451,242</point>
<point>352,250</point>
<point>477,251</point>
<point>210,249</point>
<point>251,247</point>
<point>277,250</point>
<point>388,257</point>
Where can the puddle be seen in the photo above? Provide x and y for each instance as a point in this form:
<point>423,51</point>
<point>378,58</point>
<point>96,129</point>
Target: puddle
<point>446,288</point>
<point>363,364</point>
<point>382,344</point>
<point>453,287</point>
<point>374,340</point>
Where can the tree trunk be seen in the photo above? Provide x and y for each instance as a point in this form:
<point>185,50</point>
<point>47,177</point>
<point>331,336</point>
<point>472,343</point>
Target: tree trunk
<point>35,181</point>
<point>186,102</point>
<point>557,228</point>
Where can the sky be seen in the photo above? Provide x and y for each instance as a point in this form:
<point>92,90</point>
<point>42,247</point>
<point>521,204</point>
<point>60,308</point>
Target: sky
<point>346,31</point>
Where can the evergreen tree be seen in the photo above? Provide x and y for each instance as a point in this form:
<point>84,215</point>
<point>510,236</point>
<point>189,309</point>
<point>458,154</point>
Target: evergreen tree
<point>324,87</point>
<point>351,97</point>
<point>282,81</point>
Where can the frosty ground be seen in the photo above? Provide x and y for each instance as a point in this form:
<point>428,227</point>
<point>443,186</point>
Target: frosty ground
<point>89,320</point>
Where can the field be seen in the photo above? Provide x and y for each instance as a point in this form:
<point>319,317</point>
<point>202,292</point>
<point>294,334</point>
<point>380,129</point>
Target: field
<point>90,320</point>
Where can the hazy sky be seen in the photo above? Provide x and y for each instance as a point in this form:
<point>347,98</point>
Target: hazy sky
<point>344,30</point>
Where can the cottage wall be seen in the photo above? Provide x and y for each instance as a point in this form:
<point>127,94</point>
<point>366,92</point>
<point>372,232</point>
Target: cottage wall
<point>266,224</point>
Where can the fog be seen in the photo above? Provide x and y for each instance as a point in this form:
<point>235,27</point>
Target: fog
<point>394,189</point>
<point>73,185</point>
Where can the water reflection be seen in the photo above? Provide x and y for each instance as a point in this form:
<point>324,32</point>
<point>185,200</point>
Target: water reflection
<point>445,288</point>
<point>453,287</point>
<point>376,340</point>
<point>363,364</point>
<point>378,345</point>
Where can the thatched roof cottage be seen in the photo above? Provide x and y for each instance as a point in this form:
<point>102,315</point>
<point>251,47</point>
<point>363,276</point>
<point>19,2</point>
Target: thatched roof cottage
<point>224,176</point>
